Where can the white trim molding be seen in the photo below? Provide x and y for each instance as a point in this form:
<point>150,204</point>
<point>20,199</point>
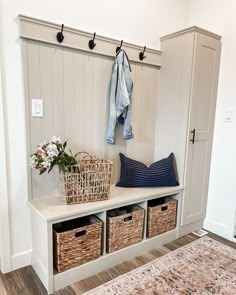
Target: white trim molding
<point>21,260</point>
<point>44,31</point>
<point>190,30</point>
<point>218,228</point>
<point>5,244</point>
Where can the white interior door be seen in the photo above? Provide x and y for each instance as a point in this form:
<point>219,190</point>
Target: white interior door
<point>201,123</point>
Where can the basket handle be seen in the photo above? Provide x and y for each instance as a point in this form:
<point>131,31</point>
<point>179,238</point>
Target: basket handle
<point>164,208</point>
<point>92,157</point>
<point>128,218</point>
<point>86,155</point>
<point>79,153</point>
<point>80,233</point>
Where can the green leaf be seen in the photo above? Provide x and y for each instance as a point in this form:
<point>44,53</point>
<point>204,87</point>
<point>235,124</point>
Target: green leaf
<point>50,169</point>
<point>42,171</point>
<point>71,152</point>
<point>65,144</point>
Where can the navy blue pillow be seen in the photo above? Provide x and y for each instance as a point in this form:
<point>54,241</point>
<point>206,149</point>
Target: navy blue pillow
<point>136,174</point>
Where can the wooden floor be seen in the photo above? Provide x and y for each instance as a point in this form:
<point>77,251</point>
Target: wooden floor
<point>26,282</point>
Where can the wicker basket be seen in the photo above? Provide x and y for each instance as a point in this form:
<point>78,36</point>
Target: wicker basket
<point>88,181</point>
<point>76,242</point>
<point>124,227</point>
<point>161,216</point>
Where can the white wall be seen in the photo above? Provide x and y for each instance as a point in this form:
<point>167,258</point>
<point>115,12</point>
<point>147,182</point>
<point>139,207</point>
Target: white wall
<point>220,17</point>
<point>5,252</point>
<point>140,22</point>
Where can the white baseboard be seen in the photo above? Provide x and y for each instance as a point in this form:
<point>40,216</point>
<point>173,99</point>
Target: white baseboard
<point>186,229</point>
<point>40,270</point>
<point>218,229</point>
<point>21,260</point>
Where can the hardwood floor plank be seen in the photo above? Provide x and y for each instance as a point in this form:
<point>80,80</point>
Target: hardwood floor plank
<point>80,288</point>
<point>2,289</point>
<point>143,259</point>
<point>23,281</point>
<point>109,274</point>
<point>160,251</point>
<point>66,291</point>
<point>87,284</point>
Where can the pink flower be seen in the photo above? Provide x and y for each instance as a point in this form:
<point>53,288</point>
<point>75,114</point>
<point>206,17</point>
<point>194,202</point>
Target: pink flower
<point>39,153</point>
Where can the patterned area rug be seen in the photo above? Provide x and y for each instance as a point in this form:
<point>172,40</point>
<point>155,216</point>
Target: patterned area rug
<point>202,267</point>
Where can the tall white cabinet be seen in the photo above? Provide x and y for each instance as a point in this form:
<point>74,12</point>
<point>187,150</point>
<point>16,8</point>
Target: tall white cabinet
<point>186,112</point>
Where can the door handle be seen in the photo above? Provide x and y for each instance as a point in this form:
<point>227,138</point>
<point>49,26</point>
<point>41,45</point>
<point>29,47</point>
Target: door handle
<point>193,138</point>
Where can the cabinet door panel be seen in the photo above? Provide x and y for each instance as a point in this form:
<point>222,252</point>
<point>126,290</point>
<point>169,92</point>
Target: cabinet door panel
<point>201,118</point>
<point>196,188</point>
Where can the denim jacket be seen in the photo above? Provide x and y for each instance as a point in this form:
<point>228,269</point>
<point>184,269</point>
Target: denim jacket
<point>120,98</point>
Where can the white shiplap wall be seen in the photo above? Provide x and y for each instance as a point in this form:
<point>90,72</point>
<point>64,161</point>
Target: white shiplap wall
<point>74,86</point>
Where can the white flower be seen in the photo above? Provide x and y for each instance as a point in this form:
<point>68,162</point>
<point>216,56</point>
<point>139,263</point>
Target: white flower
<point>56,139</point>
<point>47,162</point>
<point>33,161</point>
<point>52,150</point>
<point>44,155</point>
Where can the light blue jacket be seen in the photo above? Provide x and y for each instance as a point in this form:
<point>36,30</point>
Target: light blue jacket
<point>120,98</point>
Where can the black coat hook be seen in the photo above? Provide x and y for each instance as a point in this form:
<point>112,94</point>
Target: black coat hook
<point>60,36</point>
<point>119,47</point>
<point>141,54</point>
<point>91,43</point>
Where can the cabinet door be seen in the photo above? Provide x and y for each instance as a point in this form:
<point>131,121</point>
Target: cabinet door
<point>201,118</point>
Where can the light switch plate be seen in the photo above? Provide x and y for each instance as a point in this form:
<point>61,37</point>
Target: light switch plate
<point>37,108</point>
<point>228,114</point>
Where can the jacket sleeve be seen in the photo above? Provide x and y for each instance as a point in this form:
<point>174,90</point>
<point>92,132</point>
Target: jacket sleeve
<point>112,110</point>
<point>127,131</point>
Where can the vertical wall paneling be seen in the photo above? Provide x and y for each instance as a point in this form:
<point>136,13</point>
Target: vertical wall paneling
<point>27,110</point>
<point>58,102</point>
<point>45,59</point>
<point>75,87</point>
<point>34,92</point>
<point>57,92</point>
<point>144,113</point>
<point>79,101</point>
<point>69,97</point>
<point>136,107</point>
<point>99,107</point>
<point>89,102</point>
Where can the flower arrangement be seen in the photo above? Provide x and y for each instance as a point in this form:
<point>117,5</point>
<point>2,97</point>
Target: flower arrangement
<point>51,154</point>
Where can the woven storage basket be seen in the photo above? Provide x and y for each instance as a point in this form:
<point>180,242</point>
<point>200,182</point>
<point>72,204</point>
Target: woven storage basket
<point>88,181</point>
<point>76,242</point>
<point>161,216</point>
<point>124,227</point>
